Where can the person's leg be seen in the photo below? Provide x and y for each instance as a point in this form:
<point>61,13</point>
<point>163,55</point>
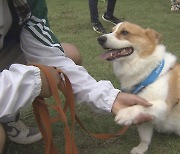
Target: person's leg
<point>72,52</point>
<point>108,15</point>
<point>93,8</point>
<point>175,5</point>
<point>14,128</point>
<point>2,138</point>
<point>110,7</point>
<point>19,133</point>
<point>94,15</point>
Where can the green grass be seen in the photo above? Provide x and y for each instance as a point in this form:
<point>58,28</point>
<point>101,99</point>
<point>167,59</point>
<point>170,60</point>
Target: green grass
<point>70,22</point>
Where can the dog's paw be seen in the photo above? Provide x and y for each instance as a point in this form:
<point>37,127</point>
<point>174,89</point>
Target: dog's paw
<point>127,116</point>
<point>136,150</point>
<point>140,149</point>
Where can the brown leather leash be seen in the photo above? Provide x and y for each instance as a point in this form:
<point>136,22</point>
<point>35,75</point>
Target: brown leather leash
<point>44,120</point>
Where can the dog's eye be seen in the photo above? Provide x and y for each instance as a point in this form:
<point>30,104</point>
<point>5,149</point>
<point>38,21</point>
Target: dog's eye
<point>124,32</point>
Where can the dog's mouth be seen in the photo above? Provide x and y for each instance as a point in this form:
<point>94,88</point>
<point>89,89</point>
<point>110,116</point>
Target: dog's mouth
<point>113,54</point>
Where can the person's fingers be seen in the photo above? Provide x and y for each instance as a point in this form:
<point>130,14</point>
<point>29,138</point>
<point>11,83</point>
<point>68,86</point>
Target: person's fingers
<point>54,73</point>
<point>131,99</point>
<point>143,118</point>
<point>45,89</point>
<point>141,101</point>
<point>124,100</point>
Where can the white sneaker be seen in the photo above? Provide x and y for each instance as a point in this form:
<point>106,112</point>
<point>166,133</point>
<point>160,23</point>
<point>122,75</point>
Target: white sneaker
<point>175,8</point>
<point>19,133</point>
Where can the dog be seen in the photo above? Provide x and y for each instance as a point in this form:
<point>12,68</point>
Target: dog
<point>144,67</point>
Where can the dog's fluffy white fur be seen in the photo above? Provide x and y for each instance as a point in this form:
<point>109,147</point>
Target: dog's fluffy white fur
<point>133,66</point>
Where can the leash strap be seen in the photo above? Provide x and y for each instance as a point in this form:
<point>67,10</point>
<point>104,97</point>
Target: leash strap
<point>44,120</point>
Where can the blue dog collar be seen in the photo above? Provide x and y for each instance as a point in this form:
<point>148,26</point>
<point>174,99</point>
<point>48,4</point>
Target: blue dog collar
<point>150,79</point>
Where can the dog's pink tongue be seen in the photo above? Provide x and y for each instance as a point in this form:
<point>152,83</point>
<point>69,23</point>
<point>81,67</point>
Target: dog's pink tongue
<point>105,55</point>
<point>108,54</point>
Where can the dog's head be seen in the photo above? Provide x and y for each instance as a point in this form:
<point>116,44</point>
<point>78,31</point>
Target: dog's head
<point>128,39</point>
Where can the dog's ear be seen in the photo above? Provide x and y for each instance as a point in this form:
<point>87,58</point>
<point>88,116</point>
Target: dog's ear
<point>153,35</point>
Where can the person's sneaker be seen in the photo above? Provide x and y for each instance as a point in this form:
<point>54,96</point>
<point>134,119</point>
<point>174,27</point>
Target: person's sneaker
<point>98,27</point>
<point>111,19</point>
<point>19,133</point>
<point>175,7</point>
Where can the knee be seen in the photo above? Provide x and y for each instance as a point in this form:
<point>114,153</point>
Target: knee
<point>73,53</point>
<point>2,138</point>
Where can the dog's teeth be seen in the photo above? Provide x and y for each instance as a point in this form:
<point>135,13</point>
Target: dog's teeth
<point>124,50</point>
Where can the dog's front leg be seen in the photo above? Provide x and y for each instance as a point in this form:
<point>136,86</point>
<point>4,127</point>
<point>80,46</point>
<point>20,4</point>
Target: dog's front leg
<point>145,133</point>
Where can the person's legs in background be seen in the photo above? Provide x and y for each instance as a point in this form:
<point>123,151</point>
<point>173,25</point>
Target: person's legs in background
<point>94,15</point>
<point>110,7</point>
<point>175,5</point>
<point>93,7</point>
<point>108,15</point>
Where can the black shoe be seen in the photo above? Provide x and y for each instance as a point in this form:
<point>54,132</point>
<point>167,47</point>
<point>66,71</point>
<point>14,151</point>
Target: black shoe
<point>111,19</point>
<point>98,27</point>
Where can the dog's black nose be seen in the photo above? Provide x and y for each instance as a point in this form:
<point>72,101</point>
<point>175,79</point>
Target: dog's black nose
<point>102,40</point>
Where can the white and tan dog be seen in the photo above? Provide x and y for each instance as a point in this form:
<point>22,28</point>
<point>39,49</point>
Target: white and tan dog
<point>144,67</point>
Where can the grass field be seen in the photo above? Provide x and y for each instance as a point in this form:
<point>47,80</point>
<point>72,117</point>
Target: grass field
<point>70,22</point>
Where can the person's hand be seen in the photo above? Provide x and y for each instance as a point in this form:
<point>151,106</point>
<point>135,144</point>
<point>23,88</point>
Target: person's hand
<point>45,89</point>
<point>124,100</point>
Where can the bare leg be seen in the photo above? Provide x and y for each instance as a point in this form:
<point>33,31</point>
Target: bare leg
<point>72,52</point>
<point>2,138</point>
